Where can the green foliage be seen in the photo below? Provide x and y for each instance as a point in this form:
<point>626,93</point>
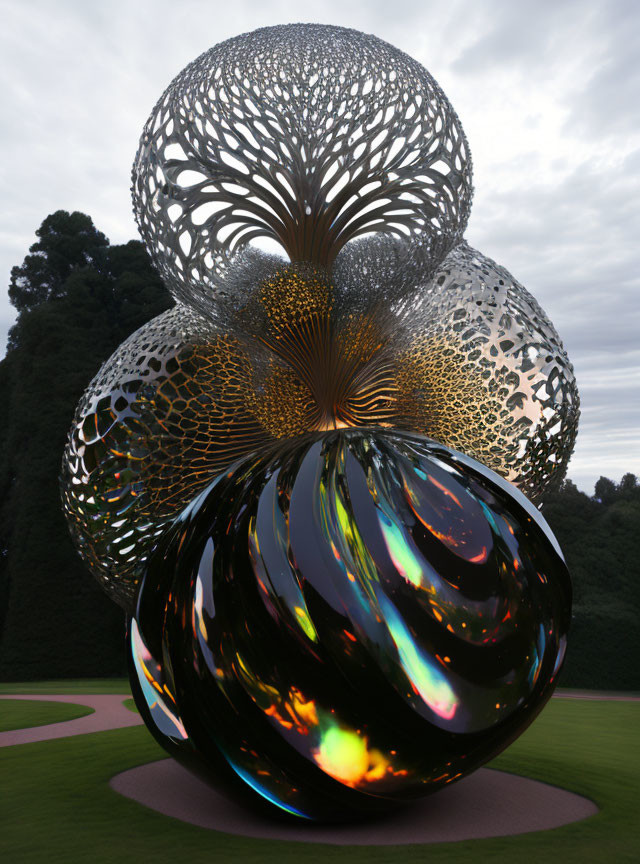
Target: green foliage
<point>599,538</point>
<point>72,686</point>
<point>66,242</point>
<point>57,622</point>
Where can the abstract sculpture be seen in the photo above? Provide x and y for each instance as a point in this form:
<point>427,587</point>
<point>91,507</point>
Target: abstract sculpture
<point>330,612</point>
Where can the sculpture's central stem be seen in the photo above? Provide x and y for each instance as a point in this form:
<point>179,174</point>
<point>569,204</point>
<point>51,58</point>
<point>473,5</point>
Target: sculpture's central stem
<point>340,366</point>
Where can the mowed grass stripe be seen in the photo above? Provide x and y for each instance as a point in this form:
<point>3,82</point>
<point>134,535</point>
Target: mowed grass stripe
<point>19,714</point>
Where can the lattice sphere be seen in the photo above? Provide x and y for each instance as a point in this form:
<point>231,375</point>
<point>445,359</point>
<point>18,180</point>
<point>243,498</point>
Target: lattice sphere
<point>481,368</point>
<point>304,137</point>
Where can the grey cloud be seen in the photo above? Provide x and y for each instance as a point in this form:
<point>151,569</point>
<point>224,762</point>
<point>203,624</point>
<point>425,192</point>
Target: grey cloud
<point>608,102</point>
<point>529,38</point>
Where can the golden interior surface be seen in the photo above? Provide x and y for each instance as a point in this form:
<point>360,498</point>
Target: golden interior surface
<point>445,396</point>
<point>216,405</point>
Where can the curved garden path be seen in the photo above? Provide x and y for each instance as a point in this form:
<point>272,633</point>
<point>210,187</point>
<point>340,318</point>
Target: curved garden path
<point>489,803</point>
<point>108,713</point>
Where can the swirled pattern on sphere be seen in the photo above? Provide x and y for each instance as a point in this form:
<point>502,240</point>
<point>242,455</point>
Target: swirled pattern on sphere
<point>348,622</point>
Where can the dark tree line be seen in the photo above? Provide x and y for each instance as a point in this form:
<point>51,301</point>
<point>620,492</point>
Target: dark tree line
<point>599,537</point>
<point>78,298</point>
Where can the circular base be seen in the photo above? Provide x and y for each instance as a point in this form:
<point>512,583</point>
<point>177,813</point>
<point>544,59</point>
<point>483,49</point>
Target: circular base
<point>486,804</point>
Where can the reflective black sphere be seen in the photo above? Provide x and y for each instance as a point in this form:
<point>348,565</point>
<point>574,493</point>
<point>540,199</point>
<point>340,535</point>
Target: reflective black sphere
<point>349,622</point>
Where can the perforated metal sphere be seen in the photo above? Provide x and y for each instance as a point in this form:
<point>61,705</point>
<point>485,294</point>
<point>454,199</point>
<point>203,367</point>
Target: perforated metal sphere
<point>307,136</point>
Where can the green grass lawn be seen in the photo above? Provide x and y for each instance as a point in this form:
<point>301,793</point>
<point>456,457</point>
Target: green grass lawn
<point>55,802</point>
<point>17,714</point>
<point>130,704</point>
<point>69,685</point>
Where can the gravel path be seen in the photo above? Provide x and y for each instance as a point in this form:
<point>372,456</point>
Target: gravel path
<point>108,713</point>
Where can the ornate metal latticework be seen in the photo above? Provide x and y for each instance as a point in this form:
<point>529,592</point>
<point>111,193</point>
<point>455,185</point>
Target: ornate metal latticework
<point>303,190</point>
<point>468,358</point>
<point>307,135</point>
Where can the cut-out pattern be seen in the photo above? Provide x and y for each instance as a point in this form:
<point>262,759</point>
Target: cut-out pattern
<point>304,136</point>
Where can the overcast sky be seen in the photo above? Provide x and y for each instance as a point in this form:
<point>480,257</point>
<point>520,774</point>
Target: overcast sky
<point>548,93</point>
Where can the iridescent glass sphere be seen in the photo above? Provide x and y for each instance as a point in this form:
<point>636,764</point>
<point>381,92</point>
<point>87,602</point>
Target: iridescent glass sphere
<point>348,622</point>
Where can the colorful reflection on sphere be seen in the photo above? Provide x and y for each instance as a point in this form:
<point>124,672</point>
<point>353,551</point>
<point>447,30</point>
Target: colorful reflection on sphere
<point>349,622</point>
